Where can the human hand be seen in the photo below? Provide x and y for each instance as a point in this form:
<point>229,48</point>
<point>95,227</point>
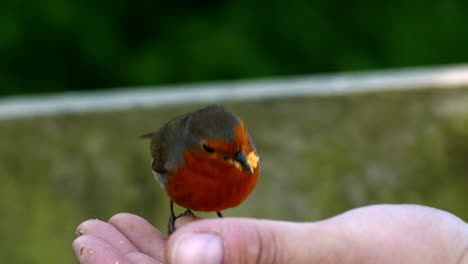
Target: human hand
<point>373,234</point>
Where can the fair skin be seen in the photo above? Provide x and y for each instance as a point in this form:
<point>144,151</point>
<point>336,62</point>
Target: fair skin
<point>373,234</point>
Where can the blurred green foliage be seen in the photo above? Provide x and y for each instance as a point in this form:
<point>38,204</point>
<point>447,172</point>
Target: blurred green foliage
<point>320,157</point>
<point>77,45</point>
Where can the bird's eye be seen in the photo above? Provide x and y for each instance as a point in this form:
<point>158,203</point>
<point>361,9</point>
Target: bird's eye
<point>208,149</point>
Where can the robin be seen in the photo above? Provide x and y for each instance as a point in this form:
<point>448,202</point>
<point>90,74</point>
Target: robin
<point>205,161</point>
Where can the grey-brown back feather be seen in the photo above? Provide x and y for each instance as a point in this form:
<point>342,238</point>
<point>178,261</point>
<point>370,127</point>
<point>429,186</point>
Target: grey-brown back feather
<point>169,142</point>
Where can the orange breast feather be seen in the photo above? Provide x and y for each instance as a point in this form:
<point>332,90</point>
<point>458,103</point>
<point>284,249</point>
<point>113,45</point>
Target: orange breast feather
<point>209,183</point>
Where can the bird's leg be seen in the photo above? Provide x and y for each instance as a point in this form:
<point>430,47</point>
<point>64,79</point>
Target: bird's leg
<point>219,214</point>
<point>172,218</point>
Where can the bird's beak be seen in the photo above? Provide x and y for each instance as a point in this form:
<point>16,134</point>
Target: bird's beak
<point>240,157</point>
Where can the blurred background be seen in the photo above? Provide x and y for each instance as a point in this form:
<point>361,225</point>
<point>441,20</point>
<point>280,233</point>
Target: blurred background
<point>320,155</point>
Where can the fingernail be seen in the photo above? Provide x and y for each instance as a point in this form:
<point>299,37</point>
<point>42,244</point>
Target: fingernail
<point>198,248</point>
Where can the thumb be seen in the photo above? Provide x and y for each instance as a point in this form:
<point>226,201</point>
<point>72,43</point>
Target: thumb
<point>239,240</point>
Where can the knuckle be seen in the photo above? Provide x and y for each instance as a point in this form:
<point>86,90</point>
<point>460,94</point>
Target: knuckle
<point>268,250</point>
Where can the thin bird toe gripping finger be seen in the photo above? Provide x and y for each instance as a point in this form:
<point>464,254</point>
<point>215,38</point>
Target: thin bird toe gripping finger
<point>187,212</point>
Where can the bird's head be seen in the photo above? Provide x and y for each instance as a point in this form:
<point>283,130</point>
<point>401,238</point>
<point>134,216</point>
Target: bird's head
<point>218,135</point>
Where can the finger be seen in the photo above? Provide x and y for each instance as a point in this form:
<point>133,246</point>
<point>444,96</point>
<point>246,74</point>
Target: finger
<point>93,250</point>
<point>108,233</point>
<point>232,240</point>
<point>142,234</point>
<point>140,258</point>
<point>185,220</point>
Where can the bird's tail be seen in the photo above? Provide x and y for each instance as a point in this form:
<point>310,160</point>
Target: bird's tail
<point>147,135</point>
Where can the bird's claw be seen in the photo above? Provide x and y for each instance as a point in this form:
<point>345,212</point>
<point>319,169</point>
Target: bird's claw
<point>172,218</point>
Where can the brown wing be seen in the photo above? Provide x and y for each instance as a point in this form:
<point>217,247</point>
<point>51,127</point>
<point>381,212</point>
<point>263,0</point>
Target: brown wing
<point>169,139</point>
<point>157,151</point>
